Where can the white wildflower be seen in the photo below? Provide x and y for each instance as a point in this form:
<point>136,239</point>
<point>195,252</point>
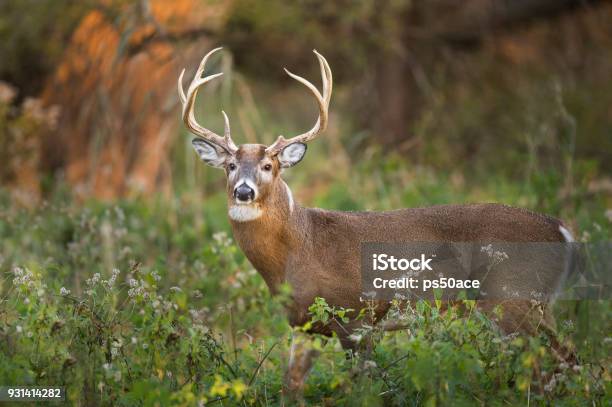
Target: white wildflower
<point>200,328</point>
<point>356,338</point>
<point>23,277</point>
<point>487,249</point>
<point>369,364</point>
<point>550,386</point>
<point>94,280</point>
<point>111,281</point>
<point>64,291</point>
<point>195,314</point>
<point>138,288</point>
<point>219,237</point>
<point>497,256</point>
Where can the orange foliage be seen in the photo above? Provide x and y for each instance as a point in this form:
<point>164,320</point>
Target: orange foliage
<point>119,109</point>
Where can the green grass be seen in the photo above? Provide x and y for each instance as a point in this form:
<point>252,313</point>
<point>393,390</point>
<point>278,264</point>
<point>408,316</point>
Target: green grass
<point>187,320</point>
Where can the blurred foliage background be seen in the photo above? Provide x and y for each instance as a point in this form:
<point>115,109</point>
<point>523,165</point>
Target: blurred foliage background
<point>467,89</point>
<point>434,102</point>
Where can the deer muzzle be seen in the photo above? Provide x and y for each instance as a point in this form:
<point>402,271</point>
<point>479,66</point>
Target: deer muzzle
<point>243,193</point>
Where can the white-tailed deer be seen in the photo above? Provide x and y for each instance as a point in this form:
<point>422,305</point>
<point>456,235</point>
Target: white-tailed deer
<point>317,251</point>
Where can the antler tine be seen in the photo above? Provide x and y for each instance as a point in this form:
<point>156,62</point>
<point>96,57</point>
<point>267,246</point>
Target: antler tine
<point>326,75</point>
<point>322,102</point>
<point>188,102</point>
<point>226,133</point>
<point>181,93</point>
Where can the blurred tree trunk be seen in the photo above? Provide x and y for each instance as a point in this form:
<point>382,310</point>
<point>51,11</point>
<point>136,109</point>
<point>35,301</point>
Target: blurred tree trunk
<point>394,92</point>
<point>117,88</point>
<point>394,89</point>
<point>416,33</point>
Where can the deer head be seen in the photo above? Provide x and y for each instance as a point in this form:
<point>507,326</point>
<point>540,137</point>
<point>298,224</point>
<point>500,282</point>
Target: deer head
<point>252,170</point>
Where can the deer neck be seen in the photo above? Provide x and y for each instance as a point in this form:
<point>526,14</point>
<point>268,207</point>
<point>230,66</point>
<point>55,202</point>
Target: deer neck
<point>269,234</point>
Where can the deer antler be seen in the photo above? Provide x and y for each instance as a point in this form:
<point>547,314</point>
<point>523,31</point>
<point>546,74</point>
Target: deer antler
<point>188,102</point>
<point>322,100</point>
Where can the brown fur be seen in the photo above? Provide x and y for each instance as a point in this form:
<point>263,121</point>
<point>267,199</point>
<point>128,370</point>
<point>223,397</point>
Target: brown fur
<point>317,251</point>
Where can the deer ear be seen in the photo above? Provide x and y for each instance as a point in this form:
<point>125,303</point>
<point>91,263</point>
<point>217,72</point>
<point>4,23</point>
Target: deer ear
<point>292,154</point>
<point>209,153</point>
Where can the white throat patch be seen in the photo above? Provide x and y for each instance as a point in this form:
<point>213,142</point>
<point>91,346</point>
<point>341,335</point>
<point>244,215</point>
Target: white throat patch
<point>244,213</point>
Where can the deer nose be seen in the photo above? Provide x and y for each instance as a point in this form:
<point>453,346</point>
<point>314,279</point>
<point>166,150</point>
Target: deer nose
<point>244,193</point>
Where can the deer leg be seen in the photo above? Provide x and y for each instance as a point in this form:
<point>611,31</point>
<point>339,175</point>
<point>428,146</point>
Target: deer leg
<point>301,359</point>
<point>521,316</point>
<point>531,318</point>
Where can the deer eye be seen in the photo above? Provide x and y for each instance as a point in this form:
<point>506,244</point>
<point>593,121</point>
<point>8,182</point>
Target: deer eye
<point>267,167</point>
<point>231,166</point>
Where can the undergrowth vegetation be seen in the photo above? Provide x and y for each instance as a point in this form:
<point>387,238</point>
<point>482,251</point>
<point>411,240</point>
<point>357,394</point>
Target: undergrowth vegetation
<point>152,303</point>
